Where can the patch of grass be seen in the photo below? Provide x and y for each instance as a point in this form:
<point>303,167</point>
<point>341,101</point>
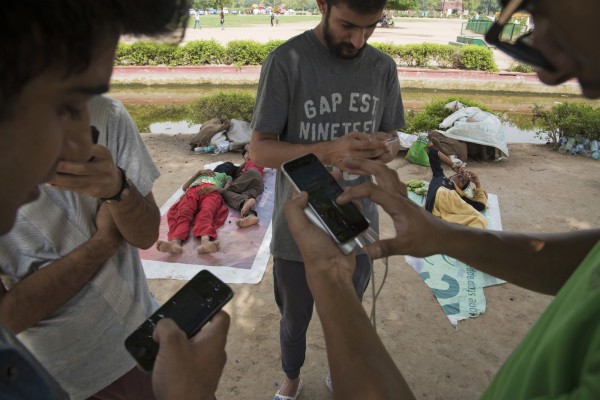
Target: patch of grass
<point>145,115</point>
<point>434,113</point>
<point>238,105</point>
<point>245,20</point>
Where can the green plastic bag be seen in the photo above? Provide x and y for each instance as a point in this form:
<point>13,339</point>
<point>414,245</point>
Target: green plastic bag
<point>417,153</point>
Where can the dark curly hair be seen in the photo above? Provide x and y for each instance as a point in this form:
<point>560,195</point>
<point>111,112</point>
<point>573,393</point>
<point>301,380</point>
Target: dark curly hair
<point>38,35</point>
<point>228,167</point>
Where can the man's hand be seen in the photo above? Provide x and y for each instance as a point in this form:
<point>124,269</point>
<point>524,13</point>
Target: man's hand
<point>97,177</point>
<point>107,230</point>
<point>354,145</point>
<point>417,231</point>
<point>392,145</point>
<point>189,368</point>
<point>322,256</point>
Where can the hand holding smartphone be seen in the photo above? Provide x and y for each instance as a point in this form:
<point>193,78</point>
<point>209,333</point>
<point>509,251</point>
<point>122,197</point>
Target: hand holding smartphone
<point>343,223</point>
<point>191,308</point>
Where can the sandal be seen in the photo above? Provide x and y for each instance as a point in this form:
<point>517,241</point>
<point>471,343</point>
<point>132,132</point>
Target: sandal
<point>296,396</point>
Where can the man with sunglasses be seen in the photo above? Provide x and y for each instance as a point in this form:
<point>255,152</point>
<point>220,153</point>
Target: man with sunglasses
<point>560,356</point>
<point>563,43</point>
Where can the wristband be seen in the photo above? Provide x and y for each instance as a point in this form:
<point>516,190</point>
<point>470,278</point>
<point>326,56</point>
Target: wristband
<point>123,192</point>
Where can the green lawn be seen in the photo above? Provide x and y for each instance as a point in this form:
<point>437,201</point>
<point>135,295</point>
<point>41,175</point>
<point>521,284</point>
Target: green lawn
<point>237,20</point>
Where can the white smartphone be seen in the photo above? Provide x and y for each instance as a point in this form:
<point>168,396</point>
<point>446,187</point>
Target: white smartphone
<point>343,223</point>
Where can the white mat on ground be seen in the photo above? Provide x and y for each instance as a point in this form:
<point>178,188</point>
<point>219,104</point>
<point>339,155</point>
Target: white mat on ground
<point>243,254</point>
<point>457,287</point>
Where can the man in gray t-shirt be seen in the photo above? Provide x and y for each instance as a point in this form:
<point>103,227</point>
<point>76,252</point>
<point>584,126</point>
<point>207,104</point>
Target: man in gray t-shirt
<point>324,92</point>
<point>82,253</point>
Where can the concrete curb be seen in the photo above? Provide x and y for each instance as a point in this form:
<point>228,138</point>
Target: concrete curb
<point>410,78</point>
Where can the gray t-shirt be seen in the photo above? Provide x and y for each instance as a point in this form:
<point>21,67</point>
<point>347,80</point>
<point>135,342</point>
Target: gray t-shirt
<point>81,344</point>
<point>307,95</point>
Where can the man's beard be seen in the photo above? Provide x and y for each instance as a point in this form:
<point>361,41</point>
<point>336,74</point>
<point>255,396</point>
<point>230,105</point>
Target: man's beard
<point>337,49</point>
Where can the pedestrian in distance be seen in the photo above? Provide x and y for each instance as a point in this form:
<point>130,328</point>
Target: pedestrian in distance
<point>197,20</point>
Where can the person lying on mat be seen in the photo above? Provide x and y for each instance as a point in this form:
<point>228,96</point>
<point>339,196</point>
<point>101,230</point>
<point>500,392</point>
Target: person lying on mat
<point>446,198</point>
<point>241,194</point>
<point>202,212</point>
<point>557,359</point>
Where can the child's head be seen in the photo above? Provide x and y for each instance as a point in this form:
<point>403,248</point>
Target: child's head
<point>227,167</point>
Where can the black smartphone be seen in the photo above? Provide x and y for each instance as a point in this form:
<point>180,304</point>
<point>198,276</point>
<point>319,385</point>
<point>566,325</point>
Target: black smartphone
<point>342,222</point>
<point>191,307</point>
<point>95,134</point>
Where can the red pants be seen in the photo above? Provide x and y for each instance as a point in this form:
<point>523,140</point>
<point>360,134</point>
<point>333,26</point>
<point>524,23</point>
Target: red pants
<point>203,213</point>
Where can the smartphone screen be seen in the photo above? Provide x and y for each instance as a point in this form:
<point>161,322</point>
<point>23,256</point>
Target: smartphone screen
<point>191,307</point>
<point>308,174</point>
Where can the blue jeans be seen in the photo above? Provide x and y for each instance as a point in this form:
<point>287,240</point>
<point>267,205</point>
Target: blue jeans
<point>295,302</point>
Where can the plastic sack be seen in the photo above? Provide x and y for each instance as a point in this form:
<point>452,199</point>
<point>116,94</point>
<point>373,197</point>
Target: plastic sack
<point>417,153</point>
<point>406,140</point>
<point>222,147</point>
<point>476,126</point>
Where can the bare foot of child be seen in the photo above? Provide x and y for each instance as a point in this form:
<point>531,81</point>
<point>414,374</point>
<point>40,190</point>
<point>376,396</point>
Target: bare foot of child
<point>173,246</point>
<point>247,221</point>
<point>248,204</point>
<point>208,247</point>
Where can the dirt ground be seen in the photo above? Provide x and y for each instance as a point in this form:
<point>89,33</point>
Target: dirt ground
<point>539,191</point>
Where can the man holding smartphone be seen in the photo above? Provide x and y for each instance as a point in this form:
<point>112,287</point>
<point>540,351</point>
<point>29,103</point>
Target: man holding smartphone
<point>559,357</point>
<point>325,92</point>
<point>94,255</point>
<point>49,73</point>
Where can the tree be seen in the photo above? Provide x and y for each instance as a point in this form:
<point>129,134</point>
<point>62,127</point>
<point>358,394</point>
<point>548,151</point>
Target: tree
<point>205,4</point>
<point>402,5</point>
<point>427,5</point>
<point>471,5</point>
<point>488,7</point>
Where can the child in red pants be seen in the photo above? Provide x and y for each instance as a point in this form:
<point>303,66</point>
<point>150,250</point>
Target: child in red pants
<point>201,212</point>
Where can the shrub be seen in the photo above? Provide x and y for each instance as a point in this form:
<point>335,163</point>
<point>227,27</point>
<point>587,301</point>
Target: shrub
<point>389,49</point>
<point>476,58</point>
<point>200,52</point>
<point>444,55</point>
<point>271,45</point>
<point>236,105</point>
<point>244,52</point>
<point>416,55</point>
<point>520,67</point>
<point>121,54</point>
<point>146,53</point>
<point>567,119</point>
<point>433,114</point>
<point>249,52</point>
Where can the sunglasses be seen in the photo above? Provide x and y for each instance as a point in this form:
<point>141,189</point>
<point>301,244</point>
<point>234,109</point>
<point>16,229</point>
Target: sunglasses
<point>521,49</point>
